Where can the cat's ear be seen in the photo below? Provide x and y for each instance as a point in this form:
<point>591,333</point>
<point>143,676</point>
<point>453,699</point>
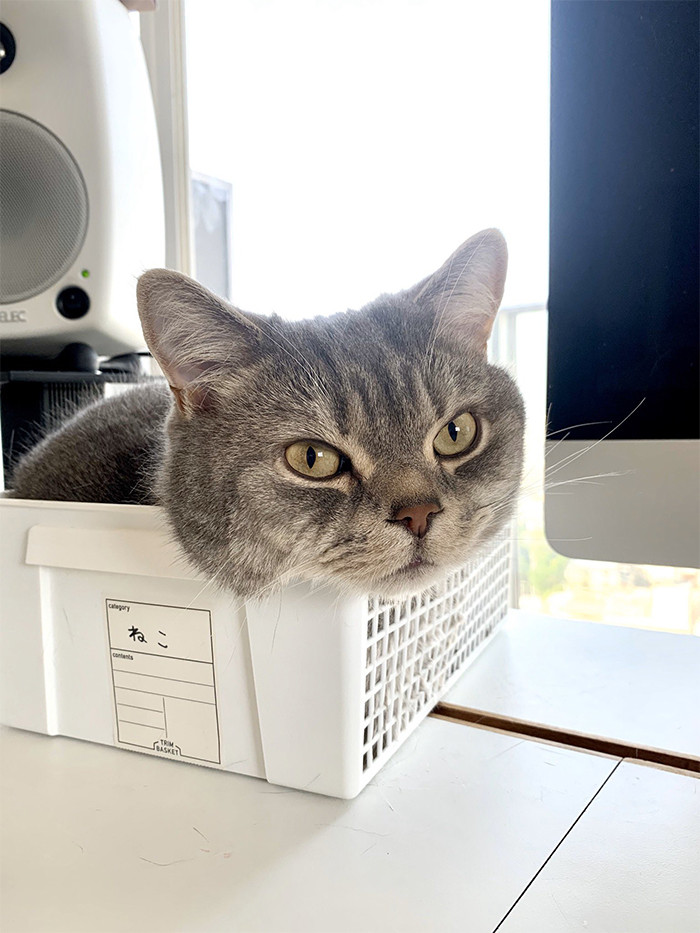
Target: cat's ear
<point>193,334</point>
<point>466,291</point>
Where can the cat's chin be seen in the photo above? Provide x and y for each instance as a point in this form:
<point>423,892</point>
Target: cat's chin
<point>409,579</point>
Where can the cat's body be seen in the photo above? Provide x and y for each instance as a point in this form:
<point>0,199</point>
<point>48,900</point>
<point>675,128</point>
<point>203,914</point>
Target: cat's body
<point>109,452</point>
<point>378,448</point>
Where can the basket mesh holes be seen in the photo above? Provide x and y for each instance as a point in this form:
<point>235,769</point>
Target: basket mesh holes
<point>417,645</point>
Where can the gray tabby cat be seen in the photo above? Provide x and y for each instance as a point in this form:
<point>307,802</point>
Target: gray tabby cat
<point>377,448</point>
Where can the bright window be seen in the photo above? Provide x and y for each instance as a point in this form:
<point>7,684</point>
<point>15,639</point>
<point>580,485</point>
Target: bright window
<point>366,140</point>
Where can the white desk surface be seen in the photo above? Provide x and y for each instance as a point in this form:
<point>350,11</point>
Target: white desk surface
<point>630,865</point>
<point>446,837</point>
<point>639,687</point>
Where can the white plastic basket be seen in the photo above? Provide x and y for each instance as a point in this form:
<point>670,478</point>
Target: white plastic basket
<point>309,689</point>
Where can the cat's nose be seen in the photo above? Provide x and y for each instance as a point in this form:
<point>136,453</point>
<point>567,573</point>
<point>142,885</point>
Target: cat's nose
<point>417,517</point>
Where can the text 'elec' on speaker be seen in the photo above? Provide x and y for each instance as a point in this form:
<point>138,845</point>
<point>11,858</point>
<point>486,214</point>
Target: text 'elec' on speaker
<point>81,202</point>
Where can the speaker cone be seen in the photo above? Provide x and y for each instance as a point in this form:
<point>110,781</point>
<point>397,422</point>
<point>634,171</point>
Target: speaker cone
<point>43,208</point>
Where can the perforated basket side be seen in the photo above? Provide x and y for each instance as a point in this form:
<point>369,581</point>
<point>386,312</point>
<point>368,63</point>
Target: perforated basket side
<point>341,681</point>
<point>416,648</point>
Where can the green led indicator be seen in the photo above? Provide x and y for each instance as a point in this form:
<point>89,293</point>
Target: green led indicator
<point>85,273</point>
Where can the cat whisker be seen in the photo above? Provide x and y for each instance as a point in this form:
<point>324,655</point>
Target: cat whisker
<point>211,581</point>
<point>552,450</point>
<point>587,480</point>
<point>284,579</point>
<point>571,427</point>
<point>571,458</point>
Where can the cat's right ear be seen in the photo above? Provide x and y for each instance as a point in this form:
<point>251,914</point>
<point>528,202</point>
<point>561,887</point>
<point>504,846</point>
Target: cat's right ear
<point>194,335</point>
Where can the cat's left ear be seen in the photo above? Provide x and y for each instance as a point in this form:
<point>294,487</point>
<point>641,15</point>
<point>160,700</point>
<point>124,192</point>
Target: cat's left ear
<point>466,291</point>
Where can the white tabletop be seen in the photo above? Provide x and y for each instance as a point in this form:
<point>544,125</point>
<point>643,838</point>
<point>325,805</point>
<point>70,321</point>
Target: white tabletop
<point>628,685</point>
<point>631,863</point>
<point>447,837</point>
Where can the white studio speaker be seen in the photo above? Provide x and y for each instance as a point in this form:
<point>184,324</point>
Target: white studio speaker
<point>81,198</point>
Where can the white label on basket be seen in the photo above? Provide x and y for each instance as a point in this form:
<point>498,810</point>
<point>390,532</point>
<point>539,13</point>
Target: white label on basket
<point>163,680</point>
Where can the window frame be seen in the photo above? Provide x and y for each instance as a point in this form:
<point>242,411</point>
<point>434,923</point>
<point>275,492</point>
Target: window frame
<point>163,40</point>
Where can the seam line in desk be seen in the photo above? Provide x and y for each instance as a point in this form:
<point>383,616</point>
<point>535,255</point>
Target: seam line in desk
<point>588,742</point>
<point>554,851</point>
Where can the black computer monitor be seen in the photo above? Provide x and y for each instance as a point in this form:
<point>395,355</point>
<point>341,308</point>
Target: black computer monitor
<point>624,321</point>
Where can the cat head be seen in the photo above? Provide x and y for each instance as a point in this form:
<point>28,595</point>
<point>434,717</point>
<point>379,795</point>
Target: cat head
<point>377,448</point>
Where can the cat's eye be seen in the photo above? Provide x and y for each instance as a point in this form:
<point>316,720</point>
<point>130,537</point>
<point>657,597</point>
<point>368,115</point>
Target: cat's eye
<point>313,459</point>
<point>457,436</point>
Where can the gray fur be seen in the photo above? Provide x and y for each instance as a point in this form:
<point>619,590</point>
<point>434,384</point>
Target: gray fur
<point>377,384</point>
<point>107,452</point>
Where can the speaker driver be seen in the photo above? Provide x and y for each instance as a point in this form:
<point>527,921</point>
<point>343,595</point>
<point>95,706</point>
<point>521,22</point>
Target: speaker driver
<point>44,215</point>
